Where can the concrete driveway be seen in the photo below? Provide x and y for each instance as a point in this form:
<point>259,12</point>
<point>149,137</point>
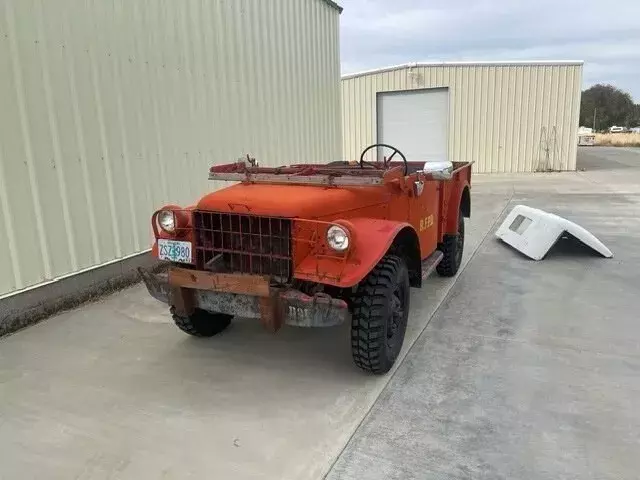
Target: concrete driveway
<point>515,369</point>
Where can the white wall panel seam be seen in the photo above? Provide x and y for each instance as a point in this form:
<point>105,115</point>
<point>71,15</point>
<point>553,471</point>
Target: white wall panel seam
<point>532,139</point>
<point>519,140</point>
<point>26,138</point>
<point>560,162</point>
<point>8,226</point>
<point>508,124</point>
<point>254,62</point>
<point>190,156</point>
<point>576,99</point>
<point>55,137</point>
<point>274,118</point>
<point>99,84</point>
<point>315,85</point>
<point>295,94</point>
<point>153,72</point>
<point>491,160</point>
<point>106,160</point>
<point>564,115</point>
<point>528,134</point>
<point>124,140</point>
<point>305,69</point>
<point>301,60</point>
<point>82,159</point>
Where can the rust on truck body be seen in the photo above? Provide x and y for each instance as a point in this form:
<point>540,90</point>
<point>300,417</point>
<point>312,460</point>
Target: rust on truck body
<point>254,285</point>
<point>265,246</point>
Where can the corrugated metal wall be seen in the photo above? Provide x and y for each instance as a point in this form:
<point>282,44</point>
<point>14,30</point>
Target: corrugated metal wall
<point>109,110</point>
<point>505,117</point>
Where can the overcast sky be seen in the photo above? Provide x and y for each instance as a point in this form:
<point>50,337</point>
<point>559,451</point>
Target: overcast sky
<point>606,35</point>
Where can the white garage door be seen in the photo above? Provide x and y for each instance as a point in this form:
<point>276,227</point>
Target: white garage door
<point>416,122</point>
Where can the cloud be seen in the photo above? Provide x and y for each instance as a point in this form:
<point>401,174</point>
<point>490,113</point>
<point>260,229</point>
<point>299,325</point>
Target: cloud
<point>378,33</point>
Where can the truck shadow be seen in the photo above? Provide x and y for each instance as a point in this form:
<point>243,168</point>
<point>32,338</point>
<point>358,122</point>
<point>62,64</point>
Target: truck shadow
<point>246,345</point>
<point>296,354</point>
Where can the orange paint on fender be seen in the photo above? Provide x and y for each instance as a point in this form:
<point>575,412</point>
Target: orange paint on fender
<point>371,240</point>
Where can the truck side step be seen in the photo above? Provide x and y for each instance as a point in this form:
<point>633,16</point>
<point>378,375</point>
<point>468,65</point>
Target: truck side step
<point>430,263</point>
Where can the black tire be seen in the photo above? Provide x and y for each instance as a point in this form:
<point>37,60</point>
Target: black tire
<point>202,323</point>
<point>380,308</point>
<point>452,247</point>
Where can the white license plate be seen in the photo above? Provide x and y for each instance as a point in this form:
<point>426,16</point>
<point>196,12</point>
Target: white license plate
<point>174,251</point>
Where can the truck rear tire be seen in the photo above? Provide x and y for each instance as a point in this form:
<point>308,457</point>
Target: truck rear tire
<point>452,247</point>
<point>380,308</point>
<point>202,323</point>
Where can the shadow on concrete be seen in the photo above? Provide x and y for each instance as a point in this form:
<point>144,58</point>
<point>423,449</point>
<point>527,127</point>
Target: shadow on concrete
<point>570,246</point>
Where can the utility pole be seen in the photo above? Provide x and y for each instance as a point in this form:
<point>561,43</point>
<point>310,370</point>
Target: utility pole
<point>595,109</point>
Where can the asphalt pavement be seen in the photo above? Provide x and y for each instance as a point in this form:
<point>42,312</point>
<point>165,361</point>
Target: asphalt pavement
<point>515,369</point>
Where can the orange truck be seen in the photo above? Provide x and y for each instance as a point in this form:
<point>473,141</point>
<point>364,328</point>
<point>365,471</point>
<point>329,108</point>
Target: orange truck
<point>314,246</point>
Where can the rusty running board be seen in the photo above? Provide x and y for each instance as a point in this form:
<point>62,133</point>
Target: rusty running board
<point>430,263</point>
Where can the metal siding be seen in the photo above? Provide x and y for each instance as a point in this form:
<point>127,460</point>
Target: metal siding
<point>106,119</point>
<point>497,110</point>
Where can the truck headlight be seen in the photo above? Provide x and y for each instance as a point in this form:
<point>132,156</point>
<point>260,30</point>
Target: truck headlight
<point>167,221</point>
<point>338,238</point>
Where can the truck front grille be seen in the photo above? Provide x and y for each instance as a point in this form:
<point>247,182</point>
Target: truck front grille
<point>230,242</point>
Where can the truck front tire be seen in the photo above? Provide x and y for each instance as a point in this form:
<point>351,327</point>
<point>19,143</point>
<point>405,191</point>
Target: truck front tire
<point>201,323</point>
<point>452,247</point>
<point>380,308</point>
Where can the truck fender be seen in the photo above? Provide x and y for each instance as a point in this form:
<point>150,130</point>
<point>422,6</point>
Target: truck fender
<point>371,240</point>
<point>460,201</point>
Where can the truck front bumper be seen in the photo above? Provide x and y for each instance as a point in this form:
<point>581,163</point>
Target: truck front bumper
<point>244,296</point>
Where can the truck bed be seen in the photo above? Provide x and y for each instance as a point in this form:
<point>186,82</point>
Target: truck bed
<point>346,174</point>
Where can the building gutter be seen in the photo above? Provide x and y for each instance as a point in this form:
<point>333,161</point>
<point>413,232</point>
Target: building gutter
<point>463,64</point>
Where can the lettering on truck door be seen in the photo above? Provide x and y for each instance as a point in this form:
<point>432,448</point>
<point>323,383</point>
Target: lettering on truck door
<point>423,211</point>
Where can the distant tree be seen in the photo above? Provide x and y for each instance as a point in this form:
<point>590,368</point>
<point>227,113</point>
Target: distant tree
<point>612,105</point>
<point>635,120</point>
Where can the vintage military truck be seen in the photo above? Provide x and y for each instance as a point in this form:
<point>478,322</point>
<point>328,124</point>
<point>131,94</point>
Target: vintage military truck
<point>314,246</point>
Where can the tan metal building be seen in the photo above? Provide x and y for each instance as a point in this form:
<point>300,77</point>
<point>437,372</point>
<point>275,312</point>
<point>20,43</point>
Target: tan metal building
<point>507,117</point>
<point>109,110</point>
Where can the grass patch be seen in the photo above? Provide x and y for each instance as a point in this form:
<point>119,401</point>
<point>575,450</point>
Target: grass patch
<point>618,139</point>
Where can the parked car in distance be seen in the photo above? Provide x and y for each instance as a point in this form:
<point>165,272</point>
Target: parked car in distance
<point>586,137</point>
<point>615,129</point>
<point>586,140</point>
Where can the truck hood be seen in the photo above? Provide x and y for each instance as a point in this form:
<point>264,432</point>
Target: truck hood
<point>292,201</point>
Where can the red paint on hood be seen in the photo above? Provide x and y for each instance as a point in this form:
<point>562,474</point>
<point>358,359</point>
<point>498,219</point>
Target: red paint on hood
<point>292,200</point>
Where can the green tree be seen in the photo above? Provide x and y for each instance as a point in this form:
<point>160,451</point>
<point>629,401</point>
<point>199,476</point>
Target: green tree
<point>635,120</point>
<point>612,106</point>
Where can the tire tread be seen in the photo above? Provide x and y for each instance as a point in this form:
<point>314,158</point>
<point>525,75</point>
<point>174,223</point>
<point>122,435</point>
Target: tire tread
<point>201,323</point>
<point>449,267</point>
<point>368,316</point>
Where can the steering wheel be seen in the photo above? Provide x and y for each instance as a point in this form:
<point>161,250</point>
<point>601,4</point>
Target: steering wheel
<point>386,160</point>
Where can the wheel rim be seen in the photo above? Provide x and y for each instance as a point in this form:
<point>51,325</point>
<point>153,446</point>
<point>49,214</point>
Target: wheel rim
<point>396,317</point>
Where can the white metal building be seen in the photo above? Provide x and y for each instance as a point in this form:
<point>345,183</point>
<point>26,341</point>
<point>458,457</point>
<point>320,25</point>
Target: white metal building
<point>109,110</point>
<point>507,117</point>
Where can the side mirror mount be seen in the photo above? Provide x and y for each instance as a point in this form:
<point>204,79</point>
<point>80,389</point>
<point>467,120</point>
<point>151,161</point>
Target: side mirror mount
<point>418,188</point>
<point>439,170</point>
